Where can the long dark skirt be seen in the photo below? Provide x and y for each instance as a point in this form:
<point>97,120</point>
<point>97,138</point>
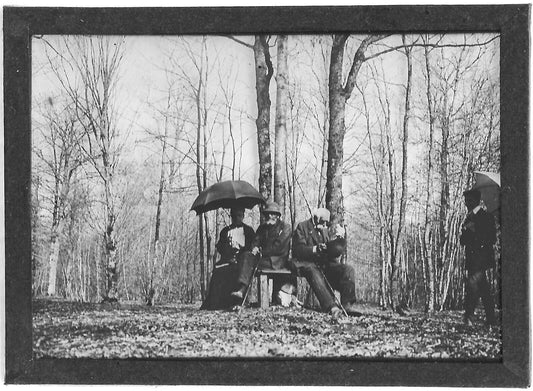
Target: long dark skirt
<point>223,282</point>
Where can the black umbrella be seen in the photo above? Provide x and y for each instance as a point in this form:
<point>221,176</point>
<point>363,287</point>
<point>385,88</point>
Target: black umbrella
<point>488,184</point>
<point>227,194</point>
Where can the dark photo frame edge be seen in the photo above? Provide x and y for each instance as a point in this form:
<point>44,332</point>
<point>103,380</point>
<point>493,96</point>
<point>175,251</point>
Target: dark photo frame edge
<point>512,21</point>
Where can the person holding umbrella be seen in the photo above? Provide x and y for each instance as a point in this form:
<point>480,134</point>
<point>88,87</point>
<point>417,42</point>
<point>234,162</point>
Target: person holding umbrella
<point>478,235</point>
<point>270,249</point>
<point>236,238</point>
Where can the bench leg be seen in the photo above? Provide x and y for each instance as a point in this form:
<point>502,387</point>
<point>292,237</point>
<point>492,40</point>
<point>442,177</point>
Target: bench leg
<point>264,301</point>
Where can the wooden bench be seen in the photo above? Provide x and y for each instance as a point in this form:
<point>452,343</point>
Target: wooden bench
<point>264,284</point>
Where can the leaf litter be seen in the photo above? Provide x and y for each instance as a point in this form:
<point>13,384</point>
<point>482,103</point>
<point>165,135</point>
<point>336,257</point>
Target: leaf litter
<point>89,330</point>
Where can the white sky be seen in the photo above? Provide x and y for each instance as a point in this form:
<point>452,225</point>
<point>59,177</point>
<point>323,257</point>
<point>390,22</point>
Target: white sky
<point>143,80</point>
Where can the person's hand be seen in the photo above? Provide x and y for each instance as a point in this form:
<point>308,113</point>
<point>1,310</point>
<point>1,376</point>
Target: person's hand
<point>470,226</point>
<point>320,248</point>
<point>340,231</point>
<point>255,250</point>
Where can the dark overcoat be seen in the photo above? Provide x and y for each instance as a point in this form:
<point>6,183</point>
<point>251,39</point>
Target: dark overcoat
<point>478,236</point>
<point>306,236</point>
<point>274,242</point>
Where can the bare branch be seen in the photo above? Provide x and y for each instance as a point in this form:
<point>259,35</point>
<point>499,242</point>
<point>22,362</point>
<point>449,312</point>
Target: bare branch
<point>358,60</point>
<point>239,41</point>
<point>431,45</point>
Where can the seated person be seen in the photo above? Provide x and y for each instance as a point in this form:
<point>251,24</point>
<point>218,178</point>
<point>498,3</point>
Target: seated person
<point>317,250</point>
<point>270,250</point>
<point>234,240</point>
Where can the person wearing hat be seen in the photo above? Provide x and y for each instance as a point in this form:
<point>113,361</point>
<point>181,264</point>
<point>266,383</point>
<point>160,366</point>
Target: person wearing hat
<point>478,235</point>
<point>317,248</point>
<point>270,249</point>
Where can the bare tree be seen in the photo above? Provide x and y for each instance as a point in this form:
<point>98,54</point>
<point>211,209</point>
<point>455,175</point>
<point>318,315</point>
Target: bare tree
<point>339,93</point>
<point>60,152</point>
<point>87,69</point>
<point>281,122</point>
<point>398,304</point>
<point>263,74</point>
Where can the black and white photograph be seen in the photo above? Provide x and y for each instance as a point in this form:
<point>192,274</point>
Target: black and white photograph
<point>278,195</point>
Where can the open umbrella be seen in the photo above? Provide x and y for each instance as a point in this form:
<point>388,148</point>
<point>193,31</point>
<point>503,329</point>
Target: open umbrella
<point>227,194</point>
<point>488,184</point>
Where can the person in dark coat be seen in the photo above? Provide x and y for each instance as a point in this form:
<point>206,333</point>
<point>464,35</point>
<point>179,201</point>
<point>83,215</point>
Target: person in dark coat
<point>236,238</point>
<point>270,249</point>
<point>478,235</point>
<point>317,250</point>
<point>234,241</point>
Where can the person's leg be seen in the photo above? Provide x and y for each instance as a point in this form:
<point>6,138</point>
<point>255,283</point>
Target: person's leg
<point>316,280</point>
<point>471,294</point>
<point>342,278</point>
<point>246,264</point>
<point>486,298</point>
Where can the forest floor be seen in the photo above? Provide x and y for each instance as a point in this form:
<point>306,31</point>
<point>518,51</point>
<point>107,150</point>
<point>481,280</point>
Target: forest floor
<point>72,330</point>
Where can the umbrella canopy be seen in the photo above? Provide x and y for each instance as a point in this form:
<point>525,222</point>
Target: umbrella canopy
<point>488,184</point>
<point>227,194</point>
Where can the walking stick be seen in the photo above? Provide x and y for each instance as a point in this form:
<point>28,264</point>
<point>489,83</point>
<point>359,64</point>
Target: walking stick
<point>337,301</point>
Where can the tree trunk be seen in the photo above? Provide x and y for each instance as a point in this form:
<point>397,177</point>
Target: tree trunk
<point>61,189</point>
<point>425,239</point>
<point>53,260</point>
<point>111,293</point>
<point>338,96</point>
<point>281,122</point>
<point>263,74</point>
<point>337,107</point>
<point>199,183</point>
<point>153,254</point>
<point>396,265</point>
<point>205,260</point>
<point>323,168</point>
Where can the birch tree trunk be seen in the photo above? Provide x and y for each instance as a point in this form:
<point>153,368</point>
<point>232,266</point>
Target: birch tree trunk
<point>281,122</point>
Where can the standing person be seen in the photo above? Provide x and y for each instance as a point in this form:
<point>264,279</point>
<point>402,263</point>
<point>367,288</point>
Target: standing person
<point>317,250</point>
<point>478,235</point>
<point>234,241</point>
<point>270,249</point>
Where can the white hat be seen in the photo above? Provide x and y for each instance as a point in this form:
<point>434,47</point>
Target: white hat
<point>321,213</point>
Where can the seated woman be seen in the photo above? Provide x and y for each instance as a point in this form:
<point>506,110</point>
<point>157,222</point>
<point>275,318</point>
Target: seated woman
<point>234,240</point>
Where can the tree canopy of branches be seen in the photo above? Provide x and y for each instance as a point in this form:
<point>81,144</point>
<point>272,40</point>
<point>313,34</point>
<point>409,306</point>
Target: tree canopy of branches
<point>383,130</point>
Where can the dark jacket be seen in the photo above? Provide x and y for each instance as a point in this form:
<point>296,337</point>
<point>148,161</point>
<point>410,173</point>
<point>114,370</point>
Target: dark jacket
<point>306,236</point>
<point>224,246</point>
<point>274,242</point>
<point>479,240</point>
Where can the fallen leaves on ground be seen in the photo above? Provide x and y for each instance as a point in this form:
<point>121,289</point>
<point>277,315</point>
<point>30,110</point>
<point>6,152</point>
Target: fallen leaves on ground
<point>75,330</point>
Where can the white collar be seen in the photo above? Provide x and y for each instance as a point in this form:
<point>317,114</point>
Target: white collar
<point>476,209</point>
